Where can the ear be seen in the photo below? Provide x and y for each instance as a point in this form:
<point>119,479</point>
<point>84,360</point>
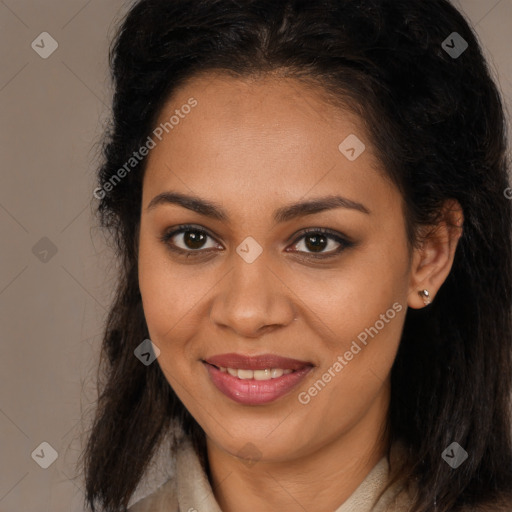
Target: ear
<point>433,259</point>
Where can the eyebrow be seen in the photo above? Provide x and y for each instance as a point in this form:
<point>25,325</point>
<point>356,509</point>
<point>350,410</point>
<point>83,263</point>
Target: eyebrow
<point>283,214</point>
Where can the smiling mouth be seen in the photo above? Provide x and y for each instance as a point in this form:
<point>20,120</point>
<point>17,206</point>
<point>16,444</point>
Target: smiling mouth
<point>262,384</point>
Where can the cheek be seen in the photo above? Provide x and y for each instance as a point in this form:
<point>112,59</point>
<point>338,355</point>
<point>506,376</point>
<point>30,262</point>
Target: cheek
<point>351,298</point>
<point>361,310</point>
<point>168,300</point>
<point>166,293</point>
<point>175,303</point>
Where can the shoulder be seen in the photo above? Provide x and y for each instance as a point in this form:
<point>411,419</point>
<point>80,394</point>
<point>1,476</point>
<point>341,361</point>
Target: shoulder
<point>163,499</point>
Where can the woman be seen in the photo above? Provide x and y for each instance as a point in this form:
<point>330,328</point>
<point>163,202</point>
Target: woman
<point>308,200</point>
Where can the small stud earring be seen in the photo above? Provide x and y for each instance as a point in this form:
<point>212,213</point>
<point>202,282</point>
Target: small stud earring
<point>425,295</point>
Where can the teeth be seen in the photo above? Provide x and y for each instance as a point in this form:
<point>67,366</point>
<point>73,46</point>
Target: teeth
<point>262,374</point>
<point>267,374</point>
<point>245,374</point>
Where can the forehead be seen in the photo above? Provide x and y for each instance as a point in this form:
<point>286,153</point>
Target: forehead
<point>256,108</point>
<point>255,136</point>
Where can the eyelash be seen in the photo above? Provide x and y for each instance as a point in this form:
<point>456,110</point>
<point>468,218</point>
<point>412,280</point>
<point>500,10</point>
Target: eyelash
<point>344,243</point>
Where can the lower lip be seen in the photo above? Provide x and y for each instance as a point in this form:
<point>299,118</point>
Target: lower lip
<point>252,391</point>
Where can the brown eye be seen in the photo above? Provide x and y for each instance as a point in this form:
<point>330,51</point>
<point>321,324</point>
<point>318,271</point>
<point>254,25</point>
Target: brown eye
<point>321,242</point>
<point>188,239</point>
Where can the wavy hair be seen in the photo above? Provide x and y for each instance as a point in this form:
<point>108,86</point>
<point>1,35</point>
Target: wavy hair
<point>437,124</point>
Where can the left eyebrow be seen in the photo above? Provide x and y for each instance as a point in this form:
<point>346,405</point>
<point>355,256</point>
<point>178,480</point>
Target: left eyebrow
<point>283,214</point>
<point>317,205</point>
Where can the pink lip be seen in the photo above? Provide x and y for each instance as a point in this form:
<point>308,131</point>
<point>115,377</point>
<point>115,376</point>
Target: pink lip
<point>259,362</point>
<point>252,391</point>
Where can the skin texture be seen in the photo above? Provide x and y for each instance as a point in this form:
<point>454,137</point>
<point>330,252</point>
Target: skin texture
<point>252,146</point>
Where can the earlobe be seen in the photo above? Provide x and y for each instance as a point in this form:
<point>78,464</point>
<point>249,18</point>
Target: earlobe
<point>433,259</point>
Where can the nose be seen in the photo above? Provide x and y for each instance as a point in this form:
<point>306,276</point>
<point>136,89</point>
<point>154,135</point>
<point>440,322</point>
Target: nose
<point>252,300</point>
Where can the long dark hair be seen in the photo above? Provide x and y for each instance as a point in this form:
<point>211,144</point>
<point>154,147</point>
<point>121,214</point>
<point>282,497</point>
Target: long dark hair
<point>436,121</point>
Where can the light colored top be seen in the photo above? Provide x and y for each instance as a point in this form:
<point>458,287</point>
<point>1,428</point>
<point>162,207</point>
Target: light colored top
<point>189,490</point>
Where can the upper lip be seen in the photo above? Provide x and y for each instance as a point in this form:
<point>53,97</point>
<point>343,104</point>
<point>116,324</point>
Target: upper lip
<point>259,362</point>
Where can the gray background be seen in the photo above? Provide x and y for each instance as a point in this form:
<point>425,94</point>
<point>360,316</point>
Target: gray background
<point>52,306</point>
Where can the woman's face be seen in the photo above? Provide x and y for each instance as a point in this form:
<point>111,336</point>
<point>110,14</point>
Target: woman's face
<point>250,161</point>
